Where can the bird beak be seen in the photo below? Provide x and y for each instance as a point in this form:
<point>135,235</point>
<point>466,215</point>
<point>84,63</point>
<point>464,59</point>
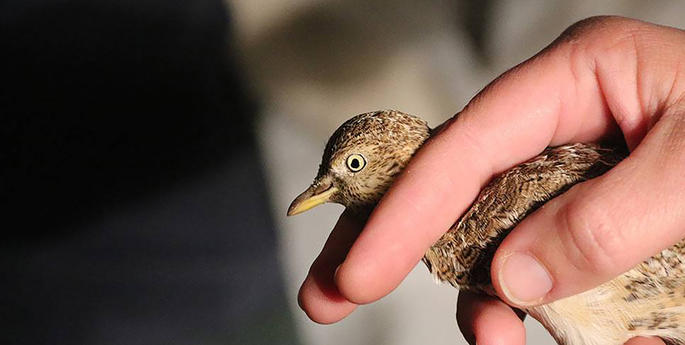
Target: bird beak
<point>317,194</point>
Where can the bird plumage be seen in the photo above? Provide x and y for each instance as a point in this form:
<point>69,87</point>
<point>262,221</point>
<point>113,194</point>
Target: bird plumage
<point>648,300</point>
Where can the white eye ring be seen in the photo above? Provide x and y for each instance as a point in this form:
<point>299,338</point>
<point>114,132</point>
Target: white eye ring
<point>356,162</point>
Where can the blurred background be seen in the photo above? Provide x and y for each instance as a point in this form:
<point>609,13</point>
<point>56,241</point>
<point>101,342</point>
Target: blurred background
<point>149,150</point>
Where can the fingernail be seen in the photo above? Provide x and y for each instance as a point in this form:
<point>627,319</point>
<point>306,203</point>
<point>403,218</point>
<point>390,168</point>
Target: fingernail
<point>524,280</point>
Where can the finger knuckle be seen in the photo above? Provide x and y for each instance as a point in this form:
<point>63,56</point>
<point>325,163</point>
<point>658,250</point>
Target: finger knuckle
<point>594,36</point>
<point>591,242</point>
<point>593,27</point>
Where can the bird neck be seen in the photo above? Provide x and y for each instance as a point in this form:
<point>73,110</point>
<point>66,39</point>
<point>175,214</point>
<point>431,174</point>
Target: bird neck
<point>360,212</point>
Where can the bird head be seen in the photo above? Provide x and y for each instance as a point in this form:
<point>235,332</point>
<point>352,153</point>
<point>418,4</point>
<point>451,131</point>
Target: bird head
<point>361,159</point>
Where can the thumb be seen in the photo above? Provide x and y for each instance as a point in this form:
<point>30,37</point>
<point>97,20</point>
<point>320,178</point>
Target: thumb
<point>600,228</point>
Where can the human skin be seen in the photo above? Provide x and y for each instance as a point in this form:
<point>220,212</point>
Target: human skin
<point>604,78</point>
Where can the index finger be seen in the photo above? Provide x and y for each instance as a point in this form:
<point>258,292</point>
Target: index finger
<point>551,99</point>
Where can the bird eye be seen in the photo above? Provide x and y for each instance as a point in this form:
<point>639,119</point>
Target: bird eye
<point>356,162</point>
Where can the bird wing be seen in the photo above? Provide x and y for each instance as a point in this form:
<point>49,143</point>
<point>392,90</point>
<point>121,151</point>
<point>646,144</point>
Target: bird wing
<point>462,256</point>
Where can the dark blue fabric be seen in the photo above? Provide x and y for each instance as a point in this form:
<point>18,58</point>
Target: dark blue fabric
<point>132,199</point>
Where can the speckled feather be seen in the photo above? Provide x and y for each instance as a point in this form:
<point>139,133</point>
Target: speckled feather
<point>462,255</point>
<point>648,300</point>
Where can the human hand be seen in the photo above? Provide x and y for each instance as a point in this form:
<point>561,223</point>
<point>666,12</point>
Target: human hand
<point>603,78</point>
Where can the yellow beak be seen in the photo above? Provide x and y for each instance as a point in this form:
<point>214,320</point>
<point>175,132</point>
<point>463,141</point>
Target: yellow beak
<point>314,195</point>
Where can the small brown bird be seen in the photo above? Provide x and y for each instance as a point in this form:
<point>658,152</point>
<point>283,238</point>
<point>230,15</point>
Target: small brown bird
<point>367,152</point>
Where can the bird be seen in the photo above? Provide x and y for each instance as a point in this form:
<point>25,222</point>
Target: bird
<point>367,152</point>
